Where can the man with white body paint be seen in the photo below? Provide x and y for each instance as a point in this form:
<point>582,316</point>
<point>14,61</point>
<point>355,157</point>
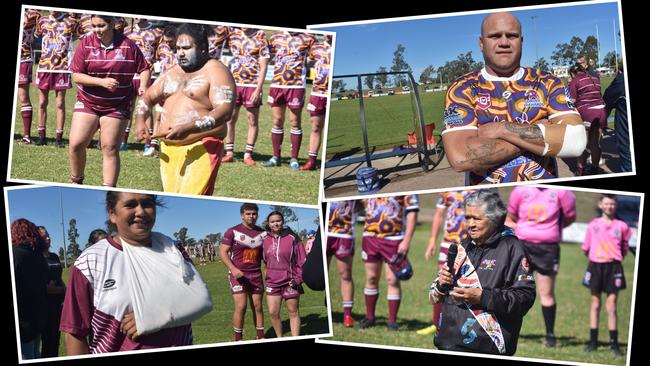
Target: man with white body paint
<point>198,98</point>
<point>507,123</point>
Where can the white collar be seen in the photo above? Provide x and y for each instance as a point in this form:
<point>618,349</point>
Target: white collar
<point>516,76</point>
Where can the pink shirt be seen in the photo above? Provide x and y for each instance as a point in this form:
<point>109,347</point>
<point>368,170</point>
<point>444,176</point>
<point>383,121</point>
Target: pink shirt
<point>540,213</point>
<point>606,241</point>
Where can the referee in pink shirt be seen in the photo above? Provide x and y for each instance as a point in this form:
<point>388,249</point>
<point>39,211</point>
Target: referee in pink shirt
<point>538,216</point>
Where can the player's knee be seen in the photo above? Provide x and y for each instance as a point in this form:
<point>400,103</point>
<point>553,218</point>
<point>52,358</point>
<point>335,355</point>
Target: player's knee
<point>42,103</point>
<point>293,312</point>
<point>60,104</point>
<point>110,149</point>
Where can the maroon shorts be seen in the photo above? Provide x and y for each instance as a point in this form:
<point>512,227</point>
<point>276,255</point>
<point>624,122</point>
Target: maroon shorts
<point>340,247</point>
<point>53,81</point>
<point>375,250</point>
<point>119,111</point>
<point>25,73</point>
<point>293,98</point>
<point>594,117</point>
<point>317,105</point>
<point>286,291</point>
<point>249,283</point>
<point>244,94</point>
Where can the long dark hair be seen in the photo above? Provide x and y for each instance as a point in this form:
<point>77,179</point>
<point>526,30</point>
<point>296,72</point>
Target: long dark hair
<point>266,226</point>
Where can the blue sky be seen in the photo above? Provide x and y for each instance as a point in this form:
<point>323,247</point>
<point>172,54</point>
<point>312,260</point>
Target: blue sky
<point>201,216</point>
<point>364,48</point>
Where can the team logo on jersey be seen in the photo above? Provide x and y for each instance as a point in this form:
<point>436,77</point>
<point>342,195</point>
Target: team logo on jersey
<point>532,99</point>
<point>617,232</point>
<point>488,264</point>
<point>94,53</point>
<point>618,280</point>
<point>506,94</point>
<point>237,288</point>
<point>452,117</point>
<point>483,101</point>
<point>118,55</point>
<point>109,284</point>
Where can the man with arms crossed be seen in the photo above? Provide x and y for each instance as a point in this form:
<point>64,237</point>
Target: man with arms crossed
<point>198,94</point>
<point>241,253</point>
<point>507,123</point>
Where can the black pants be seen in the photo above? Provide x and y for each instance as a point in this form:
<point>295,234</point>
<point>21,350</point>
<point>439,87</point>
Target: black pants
<point>51,335</point>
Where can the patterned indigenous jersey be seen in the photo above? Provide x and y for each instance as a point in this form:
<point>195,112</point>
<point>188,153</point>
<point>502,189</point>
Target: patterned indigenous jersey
<point>385,216</point>
<point>540,213</point>
<point>246,53</point>
<point>455,231</point>
<point>56,41</point>
<point>30,20</point>
<point>166,55</point>
<point>245,246</point>
<point>99,295</point>
<point>290,52</point>
<point>147,39</point>
<point>606,241</point>
<point>217,39</point>
<point>342,219</point>
<point>528,96</point>
<point>321,53</point>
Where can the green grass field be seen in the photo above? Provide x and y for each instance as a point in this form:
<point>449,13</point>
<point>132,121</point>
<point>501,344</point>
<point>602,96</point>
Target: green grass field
<point>216,326</point>
<point>572,323</point>
<point>388,119</point>
<point>50,164</point>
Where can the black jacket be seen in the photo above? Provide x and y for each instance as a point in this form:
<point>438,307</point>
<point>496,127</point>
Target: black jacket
<point>31,274</point>
<point>508,293</point>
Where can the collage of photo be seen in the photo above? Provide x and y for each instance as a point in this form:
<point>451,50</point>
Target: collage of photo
<point>437,207</point>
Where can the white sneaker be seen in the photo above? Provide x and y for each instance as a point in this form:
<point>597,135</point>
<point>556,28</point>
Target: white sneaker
<point>149,151</point>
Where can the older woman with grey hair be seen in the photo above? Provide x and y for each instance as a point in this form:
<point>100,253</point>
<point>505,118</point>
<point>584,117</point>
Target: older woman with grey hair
<point>490,287</point>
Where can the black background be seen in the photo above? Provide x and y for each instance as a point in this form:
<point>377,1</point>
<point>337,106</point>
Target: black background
<point>298,15</point>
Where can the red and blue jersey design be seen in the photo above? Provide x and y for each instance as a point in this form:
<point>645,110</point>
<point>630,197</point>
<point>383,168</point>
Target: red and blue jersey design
<point>147,39</point>
<point>341,219</point>
<point>56,35</point>
<point>455,231</point>
<point>290,56</point>
<point>385,216</point>
<point>527,97</point>
<point>30,20</point>
<point>321,53</point>
<point>247,51</point>
<point>217,39</point>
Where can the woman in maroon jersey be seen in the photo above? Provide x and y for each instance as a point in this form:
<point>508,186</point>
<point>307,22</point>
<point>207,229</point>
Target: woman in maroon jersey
<point>284,255</point>
<point>103,68</point>
<point>585,91</point>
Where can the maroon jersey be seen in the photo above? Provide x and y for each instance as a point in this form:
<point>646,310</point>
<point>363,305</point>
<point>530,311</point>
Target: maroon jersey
<point>284,256</point>
<point>121,61</point>
<point>246,246</point>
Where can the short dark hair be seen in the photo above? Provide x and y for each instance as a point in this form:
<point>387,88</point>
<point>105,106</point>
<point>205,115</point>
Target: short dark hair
<point>95,235</point>
<point>575,69</point>
<point>248,206</point>
<point>198,32</point>
<point>107,18</point>
<point>607,195</point>
<point>170,30</point>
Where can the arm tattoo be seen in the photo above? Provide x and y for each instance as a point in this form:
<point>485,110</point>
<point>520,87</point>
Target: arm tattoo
<point>486,154</point>
<point>526,131</point>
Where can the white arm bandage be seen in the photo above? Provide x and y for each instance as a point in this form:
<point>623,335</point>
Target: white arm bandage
<point>564,140</point>
<point>205,123</point>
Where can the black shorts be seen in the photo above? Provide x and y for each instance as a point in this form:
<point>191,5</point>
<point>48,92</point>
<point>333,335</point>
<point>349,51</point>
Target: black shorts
<point>544,258</point>
<point>604,277</point>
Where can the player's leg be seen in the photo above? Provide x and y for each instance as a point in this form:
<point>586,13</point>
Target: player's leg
<point>295,115</point>
<point>277,134</point>
<point>344,267</point>
<point>230,136</point>
<point>293,308</point>
<point>612,323</point>
<point>25,112</point>
<point>371,292</point>
<point>112,133</point>
<point>274,302</point>
<point>593,322</point>
<point>253,117</point>
<point>43,101</point>
<point>82,129</point>
<point>60,116</point>
<point>394,296</point>
<point>238,315</point>
<point>148,122</point>
<point>593,141</point>
<point>546,285</point>
<point>317,123</point>
<point>437,308</point>
<point>258,315</point>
